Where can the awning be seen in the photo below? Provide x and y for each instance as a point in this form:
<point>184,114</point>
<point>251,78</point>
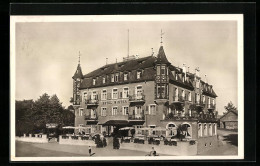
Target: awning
<point>115,122</point>
<point>126,128</point>
<point>136,122</point>
<point>68,127</point>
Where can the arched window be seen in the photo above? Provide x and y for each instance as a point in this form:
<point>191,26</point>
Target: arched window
<point>210,129</point>
<point>205,129</point>
<point>199,130</point>
<point>187,130</point>
<point>171,129</point>
<point>214,129</point>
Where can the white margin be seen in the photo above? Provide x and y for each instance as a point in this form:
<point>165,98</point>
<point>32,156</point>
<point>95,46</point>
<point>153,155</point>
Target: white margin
<point>107,18</point>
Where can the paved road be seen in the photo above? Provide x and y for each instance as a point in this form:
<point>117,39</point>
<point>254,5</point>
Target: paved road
<point>24,149</point>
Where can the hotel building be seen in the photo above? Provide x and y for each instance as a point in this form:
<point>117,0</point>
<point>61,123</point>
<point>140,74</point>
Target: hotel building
<point>145,92</point>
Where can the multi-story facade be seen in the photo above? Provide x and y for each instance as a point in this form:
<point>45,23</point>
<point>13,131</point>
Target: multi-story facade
<point>144,92</point>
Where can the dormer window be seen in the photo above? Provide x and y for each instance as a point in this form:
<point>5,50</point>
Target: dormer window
<point>176,77</point>
<point>183,79</point>
<point>112,78</point>
<point>104,80</point>
<point>125,77</point>
<point>94,81</point>
<point>116,77</point>
<point>138,74</point>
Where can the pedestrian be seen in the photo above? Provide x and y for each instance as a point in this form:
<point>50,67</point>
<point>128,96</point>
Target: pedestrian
<point>89,150</point>
<point>153,152</point>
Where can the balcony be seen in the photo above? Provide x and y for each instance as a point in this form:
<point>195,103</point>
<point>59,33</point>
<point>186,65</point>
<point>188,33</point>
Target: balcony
<point>92,102</point>
<point>200,103</point>
<point>180,116</point>
<point>211,106</point>
<point>136,98</point>
<point>136,117</point>
<point>91,117</point>
<point>178,99</point>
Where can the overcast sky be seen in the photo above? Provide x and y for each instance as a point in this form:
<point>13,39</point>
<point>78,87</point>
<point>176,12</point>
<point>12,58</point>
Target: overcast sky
<point>47,53</point>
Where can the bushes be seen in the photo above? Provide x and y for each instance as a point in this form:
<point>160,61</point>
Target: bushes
<point>98,142</point>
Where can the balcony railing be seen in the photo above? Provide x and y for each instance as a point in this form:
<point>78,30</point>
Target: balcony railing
<point>193,116</point>
<point>136,117</point>
<point>178,99</point>
<point>200,103</point>
<point>91,102</point>
<point>211,106</point>
<point>136,98</point>
<point>91,117</point>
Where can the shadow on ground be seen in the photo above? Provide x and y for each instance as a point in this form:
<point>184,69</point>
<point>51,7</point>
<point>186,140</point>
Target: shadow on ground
<point>231,138</point>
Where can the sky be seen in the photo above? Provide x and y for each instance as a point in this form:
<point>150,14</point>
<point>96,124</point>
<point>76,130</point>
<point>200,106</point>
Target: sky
<point>47,52</point>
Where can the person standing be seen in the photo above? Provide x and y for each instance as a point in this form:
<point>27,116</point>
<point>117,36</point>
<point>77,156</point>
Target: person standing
<point>89,150</point>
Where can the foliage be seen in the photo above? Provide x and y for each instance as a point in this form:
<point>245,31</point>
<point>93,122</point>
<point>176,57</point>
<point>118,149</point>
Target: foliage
<point>230,107</point>
<point>32,116</point>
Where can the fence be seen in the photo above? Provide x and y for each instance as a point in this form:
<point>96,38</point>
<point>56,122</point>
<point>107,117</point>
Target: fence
<point>76,140</point>
<point>39,138</point>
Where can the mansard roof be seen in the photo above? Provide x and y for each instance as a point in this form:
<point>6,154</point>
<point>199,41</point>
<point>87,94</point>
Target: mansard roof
<point>135,64</point>
<point>78,73</point>
<point>147,68</point>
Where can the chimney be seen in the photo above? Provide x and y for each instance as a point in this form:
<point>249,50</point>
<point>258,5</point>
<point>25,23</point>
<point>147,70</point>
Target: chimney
<point>206,81</point>
<point>197,72</point>
<point>184,71</point>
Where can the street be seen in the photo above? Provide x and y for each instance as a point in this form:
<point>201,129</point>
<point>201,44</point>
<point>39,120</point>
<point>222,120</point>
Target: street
<point>228,146</point>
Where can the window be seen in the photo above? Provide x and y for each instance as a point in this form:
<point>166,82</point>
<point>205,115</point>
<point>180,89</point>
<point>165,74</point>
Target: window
<point>205,129</point>
<point>152,109</point>
<point>209,102</point>
<point>85,95</point>
<point>139,92</point>
<point>176,92</point>
<point>138,74</point>
<point>125,110</point>
<point>112,78</point>
<point>125,92</point>
<point>176,76</point>
<point>187,130</point>
<point>103,111</point>
<point>116,77</point>
<point>104,94</point>
<point>198,97</point>
<point>158,70</point>
<point>172,130</point>
<point>199,130</point>
<point>80,125</point>
<point>125,77</point>
<point>94,81</point>
<point>213,101</point>
<point>210,130</point>
<point>183,93</point>
<point>163,70</point>
<point>160,91</point>
<point>203,99</point>
<point>104,80</point>
<point>114,94</point>
<point>94,95</point>
<point>80,111</point>
<point>214,129</point>
<point>138,111</point>
<point>189,96</point>
<point>114,111</point>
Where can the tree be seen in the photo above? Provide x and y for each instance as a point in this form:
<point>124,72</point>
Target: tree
<point>230,107</point>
